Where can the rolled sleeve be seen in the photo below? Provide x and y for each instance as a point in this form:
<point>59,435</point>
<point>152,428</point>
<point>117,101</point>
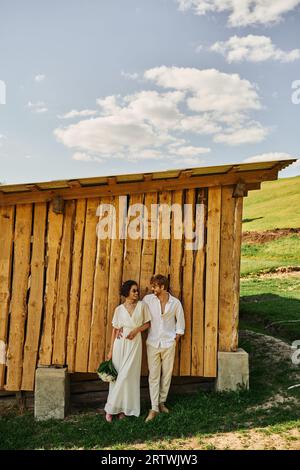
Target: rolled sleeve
<point>180,322</point>
<point>146,313</point>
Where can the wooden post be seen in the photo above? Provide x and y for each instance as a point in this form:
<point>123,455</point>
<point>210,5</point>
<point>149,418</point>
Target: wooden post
<point>231,234</point>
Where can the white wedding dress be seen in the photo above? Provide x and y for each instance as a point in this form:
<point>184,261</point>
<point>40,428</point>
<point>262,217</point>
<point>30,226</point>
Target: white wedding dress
<point>124,393</point>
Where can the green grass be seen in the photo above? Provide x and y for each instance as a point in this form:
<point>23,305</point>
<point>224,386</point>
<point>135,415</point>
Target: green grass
<point>267,300</point>
<point>196,416</point>
<point>261,257</point>
<point>275,205</point>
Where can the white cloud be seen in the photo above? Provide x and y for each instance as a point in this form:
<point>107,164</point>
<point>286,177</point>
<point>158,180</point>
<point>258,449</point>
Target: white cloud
<point>39,78</point>
<point>111,134</point>
<point>129,76</point>
<point>157,124</point>
<point>188,150</point>
<point>218,99</point>
<point>161,109</point>
<point>253,134</point>
<point>190,161</point>
<point>211,89</point>
<point>85,157</point>
<point>74,114</point>
<point>269,157</point>
<point>253,48</point>
<point>243,12</point>
<point>38,107</point>
<point>41,110</point>
<point>2,138</point>
<point>197,124</point>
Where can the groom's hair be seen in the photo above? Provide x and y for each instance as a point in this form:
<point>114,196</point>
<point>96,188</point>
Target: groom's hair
<point>160,280</point>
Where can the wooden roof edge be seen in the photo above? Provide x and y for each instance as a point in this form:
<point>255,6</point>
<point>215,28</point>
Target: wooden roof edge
<point>183,174</point>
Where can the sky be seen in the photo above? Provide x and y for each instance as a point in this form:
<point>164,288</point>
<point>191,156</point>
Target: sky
<point>106,87</point>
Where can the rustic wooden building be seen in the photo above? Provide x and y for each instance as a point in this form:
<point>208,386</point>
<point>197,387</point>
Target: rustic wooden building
<point>59,283</point>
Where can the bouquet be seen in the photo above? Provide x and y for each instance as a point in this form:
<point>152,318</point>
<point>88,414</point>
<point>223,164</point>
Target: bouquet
<point>107,372</point>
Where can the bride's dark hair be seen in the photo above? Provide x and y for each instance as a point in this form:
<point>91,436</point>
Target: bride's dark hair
<point>126,286</point>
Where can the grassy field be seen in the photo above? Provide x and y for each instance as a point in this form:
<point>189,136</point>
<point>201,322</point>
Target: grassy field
<point>265,257</point>
<point>277,204</point>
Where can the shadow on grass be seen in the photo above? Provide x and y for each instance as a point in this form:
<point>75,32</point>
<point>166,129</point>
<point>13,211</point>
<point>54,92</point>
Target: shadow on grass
<point>271,314</point>
<point>192,415</point>
<point>244,221</point>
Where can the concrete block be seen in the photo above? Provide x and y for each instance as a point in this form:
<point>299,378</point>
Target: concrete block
<point>233,371</point>
<point>52,393</point>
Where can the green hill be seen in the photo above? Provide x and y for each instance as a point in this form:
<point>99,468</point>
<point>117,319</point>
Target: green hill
<point>275,205</point>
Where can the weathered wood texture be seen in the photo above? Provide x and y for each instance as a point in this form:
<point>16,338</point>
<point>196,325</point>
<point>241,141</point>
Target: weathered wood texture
<point>230,257</point>
<point>60,282</point>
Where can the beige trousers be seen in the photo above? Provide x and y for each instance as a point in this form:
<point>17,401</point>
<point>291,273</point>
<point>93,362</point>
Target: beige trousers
<point>160,363</point>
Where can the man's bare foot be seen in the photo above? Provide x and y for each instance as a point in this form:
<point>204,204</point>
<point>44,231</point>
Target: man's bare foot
<point>151,415</point>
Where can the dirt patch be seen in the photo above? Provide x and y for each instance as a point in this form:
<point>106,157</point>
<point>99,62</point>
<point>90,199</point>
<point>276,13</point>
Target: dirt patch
<point>268,235</point>
<point>276,352</point>
<point>280,272</point>
<point>254,439</point>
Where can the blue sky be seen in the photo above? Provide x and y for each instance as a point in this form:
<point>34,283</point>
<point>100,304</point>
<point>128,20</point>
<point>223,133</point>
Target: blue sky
<point>108,87</point>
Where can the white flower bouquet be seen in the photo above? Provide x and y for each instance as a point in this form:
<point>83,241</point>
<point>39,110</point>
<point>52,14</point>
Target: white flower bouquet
<point>107,372</point>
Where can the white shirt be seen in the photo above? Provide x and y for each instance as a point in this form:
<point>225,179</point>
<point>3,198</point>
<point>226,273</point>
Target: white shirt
<point>164,328</point>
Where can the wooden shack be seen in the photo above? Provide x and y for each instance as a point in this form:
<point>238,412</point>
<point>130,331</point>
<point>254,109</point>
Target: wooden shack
<point>59,283</point>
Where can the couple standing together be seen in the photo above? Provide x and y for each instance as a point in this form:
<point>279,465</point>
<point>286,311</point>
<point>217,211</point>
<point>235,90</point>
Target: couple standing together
<point>160,313</point>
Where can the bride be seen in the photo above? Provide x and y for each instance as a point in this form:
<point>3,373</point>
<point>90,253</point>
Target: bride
<point>132,317</point>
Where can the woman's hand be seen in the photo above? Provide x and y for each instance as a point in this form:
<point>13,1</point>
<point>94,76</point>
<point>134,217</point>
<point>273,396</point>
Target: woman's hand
<point>109,356</point>
<point>133,333</point>
<point>119,333</point>
<point>177,339</point>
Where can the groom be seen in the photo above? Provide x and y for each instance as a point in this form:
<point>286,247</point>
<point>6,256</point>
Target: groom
<point>167,326</point>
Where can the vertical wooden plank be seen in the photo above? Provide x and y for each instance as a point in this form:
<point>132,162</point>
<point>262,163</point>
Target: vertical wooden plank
<point>19,296</point>
<point>148,260</point>
<point>54,234</point>
<point>75,282</point>
<point>87,285</point>
<point>162,265</point>
<point>115,272</point>
<point>231,232</point>
<point>132,260</point>
<point>100,297</point>
<point>212,281</point>
<point>63,288</point>
<point>187,288</point>
<point>7,215</point>
<point>198,288</point>
<point>148,250</point>
<point>176,261</point>
<point>35,302</point>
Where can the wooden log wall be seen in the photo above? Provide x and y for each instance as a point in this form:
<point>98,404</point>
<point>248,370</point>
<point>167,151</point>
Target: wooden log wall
<point>59,283</point>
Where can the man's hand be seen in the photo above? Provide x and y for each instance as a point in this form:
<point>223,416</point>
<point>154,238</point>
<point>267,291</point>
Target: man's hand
<point>177,339</point>
<point>132,334</point>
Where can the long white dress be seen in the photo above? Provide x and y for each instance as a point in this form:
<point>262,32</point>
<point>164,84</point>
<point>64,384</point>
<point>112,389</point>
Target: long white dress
<point>124,393</point>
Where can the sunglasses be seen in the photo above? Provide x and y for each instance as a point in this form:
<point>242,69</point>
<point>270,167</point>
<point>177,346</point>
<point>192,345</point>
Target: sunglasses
<point>135,290</point>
